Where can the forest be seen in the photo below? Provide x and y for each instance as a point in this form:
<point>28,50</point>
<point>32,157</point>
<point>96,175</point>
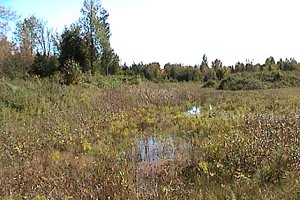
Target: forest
<point>76,123</point>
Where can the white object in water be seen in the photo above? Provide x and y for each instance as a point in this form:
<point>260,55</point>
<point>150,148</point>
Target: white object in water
<point>210,107</point>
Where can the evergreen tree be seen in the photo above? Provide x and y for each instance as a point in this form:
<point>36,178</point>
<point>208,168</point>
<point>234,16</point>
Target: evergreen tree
<point>204,64</point>
<point>72,47</point>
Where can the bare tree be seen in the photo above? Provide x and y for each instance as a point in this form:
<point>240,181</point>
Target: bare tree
<point>6,15</point>
<point>34,36</point>
<point>45,37</point>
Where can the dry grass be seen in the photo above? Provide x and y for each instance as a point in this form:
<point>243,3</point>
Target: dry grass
<point>72,142</point>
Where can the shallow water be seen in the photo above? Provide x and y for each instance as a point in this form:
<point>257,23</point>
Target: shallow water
<point>195,110</point>
<point>151,154</point>
<point>155,150</point>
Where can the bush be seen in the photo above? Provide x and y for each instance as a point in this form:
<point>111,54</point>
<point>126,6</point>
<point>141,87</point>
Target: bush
<point>210,84</point>
<point>265,80</point>
<point>44,66</point>
<point>12,67</point>
<point>239,83</point>
<point>71,71</point>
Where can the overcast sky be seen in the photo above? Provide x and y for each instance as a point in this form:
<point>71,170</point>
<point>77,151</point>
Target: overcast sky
<point>181,31</point>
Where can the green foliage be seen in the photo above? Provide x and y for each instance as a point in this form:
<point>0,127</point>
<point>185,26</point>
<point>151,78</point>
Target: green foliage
<point>182,73</point>
<point>44,66</point>
<point>116,137</point>
<point>13,97</point>
<point>240,83</point>
<point>71,71</point>
<point>221,73</point>
<point>26,35</point>
<point>72,47</point>
<point>204,63</point>
<point>152,72</point>
<point>265,80</point>
<point>96,31</point>
<point>241,76</point>
<point>210,75</point>
<point>210,84</point>
<point>110,63</point>
<point>288,65</point>
<point>10,67</point>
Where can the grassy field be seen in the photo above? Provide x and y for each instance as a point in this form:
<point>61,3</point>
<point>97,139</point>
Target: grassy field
<point>137,142</point>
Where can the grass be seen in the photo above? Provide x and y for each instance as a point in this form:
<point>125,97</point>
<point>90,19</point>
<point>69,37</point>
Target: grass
<point>74,142</point>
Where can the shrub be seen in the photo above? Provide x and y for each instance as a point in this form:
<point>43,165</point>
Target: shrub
<point>210,84</point>
<point>238,83</point>
<point>265,80</point>
<point>71,71</point>
<point>44,66</point>
<point>12,67</point>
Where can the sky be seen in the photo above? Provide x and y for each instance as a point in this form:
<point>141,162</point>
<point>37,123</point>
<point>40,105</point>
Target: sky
<point>181,31</point>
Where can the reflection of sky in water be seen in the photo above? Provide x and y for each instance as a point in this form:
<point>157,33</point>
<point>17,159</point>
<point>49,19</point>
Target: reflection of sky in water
<point>153,150</point>
<point>194,110</point>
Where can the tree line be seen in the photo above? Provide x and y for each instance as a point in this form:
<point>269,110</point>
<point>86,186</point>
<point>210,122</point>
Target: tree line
<point>84,47</point>
<point>204,72</point>
<point>37,49</point>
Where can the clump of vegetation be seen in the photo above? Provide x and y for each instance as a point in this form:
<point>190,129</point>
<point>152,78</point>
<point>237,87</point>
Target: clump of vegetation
<point>71,71</point>
<point>241,83</point>
<point>44,66</point>
<point>265,80</point>
<point>210,84</point>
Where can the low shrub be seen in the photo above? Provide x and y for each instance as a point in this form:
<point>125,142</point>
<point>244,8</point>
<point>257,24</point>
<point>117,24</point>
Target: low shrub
<point>210,84</point>
<point>238,83</point>
<point>72,72</point>
<point>44,66</point>
<point>265,80</point>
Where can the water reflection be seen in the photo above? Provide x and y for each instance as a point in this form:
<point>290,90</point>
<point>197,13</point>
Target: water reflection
<point>195,110</point>
<point>152,154</point>
<point>154,150</point>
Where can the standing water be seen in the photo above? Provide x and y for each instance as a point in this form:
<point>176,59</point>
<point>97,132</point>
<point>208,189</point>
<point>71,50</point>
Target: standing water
<point>151,154</point>
<point>195,110</point>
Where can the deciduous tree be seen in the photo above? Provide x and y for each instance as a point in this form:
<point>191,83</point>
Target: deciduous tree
<point>45,37</point>
<point>97,34</point>
<point>26,34</point>
<point>26,39</point>
<point>92,27</point>
<point>6,15</point>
